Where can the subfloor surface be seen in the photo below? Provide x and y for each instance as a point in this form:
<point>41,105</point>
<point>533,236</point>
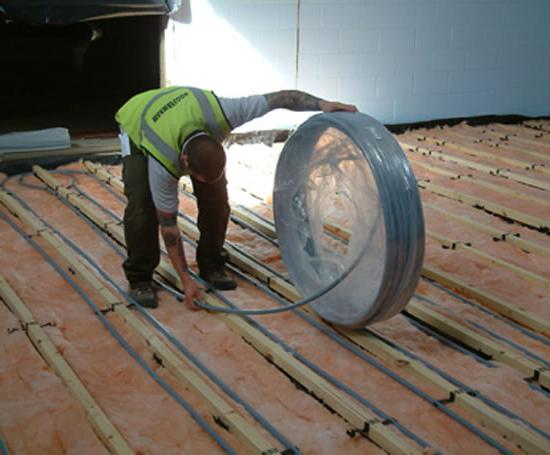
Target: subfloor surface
<point>464,369</point>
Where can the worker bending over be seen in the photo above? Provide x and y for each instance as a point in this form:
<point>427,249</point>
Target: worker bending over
<point>175,131</point>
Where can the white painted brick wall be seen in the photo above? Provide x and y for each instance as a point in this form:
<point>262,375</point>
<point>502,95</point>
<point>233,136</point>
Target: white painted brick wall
<point>398,60</point>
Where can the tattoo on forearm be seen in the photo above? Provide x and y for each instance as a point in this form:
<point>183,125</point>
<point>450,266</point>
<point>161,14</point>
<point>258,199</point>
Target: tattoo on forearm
<point>170,239</point>
<point>167,219</point>
<point>180,253</point>
<point>294,100</point>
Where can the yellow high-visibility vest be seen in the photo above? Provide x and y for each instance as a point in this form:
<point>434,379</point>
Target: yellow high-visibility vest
<point>159,121</point>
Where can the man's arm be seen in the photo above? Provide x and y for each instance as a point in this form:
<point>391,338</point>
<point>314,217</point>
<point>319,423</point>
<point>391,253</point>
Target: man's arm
<point>296,100</point>
<point>172,240</point>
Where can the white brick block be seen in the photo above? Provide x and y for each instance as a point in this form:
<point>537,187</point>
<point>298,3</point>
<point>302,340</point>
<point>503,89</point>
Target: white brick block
<point>496,12</point>
<point>535,103</point>
<point>420,13</point>
<point>340,65</point>
<point>518,100</point>
<point>460,13</point>
<point>430,82</point>
<point>310,15</point>
<point>397,38</point>
<point>382,109</point>
<point>377,63</point>
<point>309,64</point>
<point>321,40</point>
<point>492,102</point>
<point>481,59</point>
<point>534,35</point>
<point>394,84</point>
<point>285,66</point>
<point>501,37</point>
<point>253,14</point>
<point>482,80</point>
<point>410,109</point>
<point>351,89</point>
<point>341,14</point>
<point>324,87</point>
<point>510,12</point>
<point>385,12</point>
<point>521,57</point>
<point>287,14</point>
<point>448,60</point>
<point>274,42</point>
<point>534,79</point>
<point>359,39</point>
<point>430,38</point>
<point>467,37</point>
<point>451,106</point>
<point>414,60</point>
<point>222,8</point>
<point>471,81</point>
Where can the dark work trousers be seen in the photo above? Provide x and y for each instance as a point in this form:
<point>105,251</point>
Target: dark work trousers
<point>141,227</point>
<point>212,222</point>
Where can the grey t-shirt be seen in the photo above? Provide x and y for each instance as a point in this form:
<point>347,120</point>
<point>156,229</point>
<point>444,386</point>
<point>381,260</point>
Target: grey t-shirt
<point>164,186</point>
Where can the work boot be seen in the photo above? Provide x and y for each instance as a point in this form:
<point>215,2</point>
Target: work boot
<point>144,295</point>
<point>225,255</point>
<point>219,279</point>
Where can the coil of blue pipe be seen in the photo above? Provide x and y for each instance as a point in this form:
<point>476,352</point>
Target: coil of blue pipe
<point>345,172</point>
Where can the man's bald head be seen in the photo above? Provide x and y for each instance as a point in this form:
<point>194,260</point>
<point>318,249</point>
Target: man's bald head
<point>205,158</point>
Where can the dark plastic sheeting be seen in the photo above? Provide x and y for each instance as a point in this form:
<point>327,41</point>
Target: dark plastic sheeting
<point>347,169</point>
<point>63,12</point>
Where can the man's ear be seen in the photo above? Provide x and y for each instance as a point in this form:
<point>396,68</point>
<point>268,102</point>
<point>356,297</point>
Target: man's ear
<point>185,160</point>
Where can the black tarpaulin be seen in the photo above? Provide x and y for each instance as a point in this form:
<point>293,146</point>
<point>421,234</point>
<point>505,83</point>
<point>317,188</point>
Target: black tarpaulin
<point>62,12</point>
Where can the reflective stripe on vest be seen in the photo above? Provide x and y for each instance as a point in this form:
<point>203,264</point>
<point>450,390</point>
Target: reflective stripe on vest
<point>163,140</point>
<point>153,137</point>
<point>207,111</point>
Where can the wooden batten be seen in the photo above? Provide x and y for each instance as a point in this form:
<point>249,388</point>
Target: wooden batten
<point>106,431</point>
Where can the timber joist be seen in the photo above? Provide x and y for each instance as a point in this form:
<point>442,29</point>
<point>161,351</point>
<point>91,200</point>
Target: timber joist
<point>492,170</point>
<point>221,410</point>
<point>472,179</point>
<point>460,245</point>
<point>477,152</point>
<point>101,424</point>
<point>505,212</point>
<point>517,134</point>
<point>510,138</point>
<point>454,330</point>
<point>477,342</point>
<point>464,398</point>
<point>356,414</point>
<point>496,234</point>
<point>488,299</point>
<point>466,336</point>
<point>539,125</point>
<point>457,331</point>
<point>104,176</point>
<point>540,165</point>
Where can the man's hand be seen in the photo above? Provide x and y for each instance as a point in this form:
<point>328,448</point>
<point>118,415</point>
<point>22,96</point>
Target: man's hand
<point>333,106</point>
<point>192,292</point>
